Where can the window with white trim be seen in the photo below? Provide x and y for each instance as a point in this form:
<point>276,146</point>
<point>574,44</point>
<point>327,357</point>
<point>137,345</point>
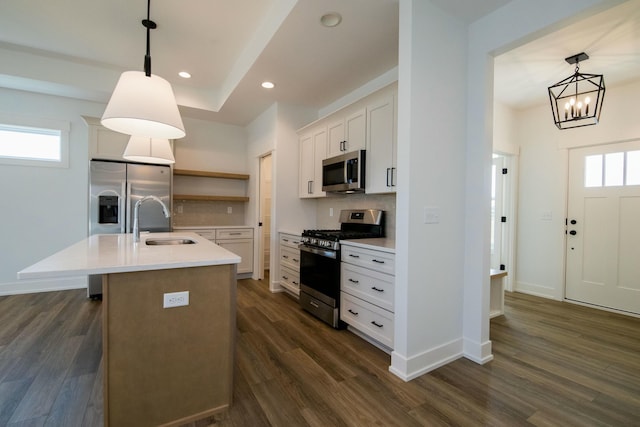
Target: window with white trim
<point>34,142</point>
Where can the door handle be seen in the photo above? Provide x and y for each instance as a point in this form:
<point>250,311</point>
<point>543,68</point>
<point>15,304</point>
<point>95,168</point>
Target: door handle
<point>573,232</point>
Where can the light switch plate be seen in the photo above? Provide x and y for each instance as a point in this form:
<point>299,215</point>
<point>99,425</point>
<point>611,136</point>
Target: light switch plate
<point>431,215</point>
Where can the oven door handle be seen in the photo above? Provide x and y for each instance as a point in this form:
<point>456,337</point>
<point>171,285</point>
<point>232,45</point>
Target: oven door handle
<point>327,253</point>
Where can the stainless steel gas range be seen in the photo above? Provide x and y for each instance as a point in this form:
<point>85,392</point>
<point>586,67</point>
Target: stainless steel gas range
<point>320,261</point>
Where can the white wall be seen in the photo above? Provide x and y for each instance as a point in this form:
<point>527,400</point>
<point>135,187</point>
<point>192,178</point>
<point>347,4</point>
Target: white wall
<point>431,140</point>
<point>543,183</point>
<point>43,209</point>
<point>274,131</point>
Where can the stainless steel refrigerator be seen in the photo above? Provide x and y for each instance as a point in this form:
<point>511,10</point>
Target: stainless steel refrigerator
<point>114,189</point>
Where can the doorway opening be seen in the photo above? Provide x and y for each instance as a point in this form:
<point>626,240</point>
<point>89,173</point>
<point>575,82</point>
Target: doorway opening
<point>264,216</point>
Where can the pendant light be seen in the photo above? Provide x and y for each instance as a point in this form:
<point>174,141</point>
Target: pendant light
<point>143,104</point>
<point>577,100</point>
<point>149,150</point>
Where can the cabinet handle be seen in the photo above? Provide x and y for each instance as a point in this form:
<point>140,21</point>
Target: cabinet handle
<point>355,313</point>
<point>295,260</point>
<point>354,281</point>
<point>295,242</point>
<point>388,183</point>
<point>377,261</point>
<point>314,304</point>
<point>377,289</point>
<point>354,256</point>
<point>294,282</point>
<point>309,187</point>
<point>235,234</point>
<point>285,240</point>
<point>285,277</point>
<point>285,256</point>
<point>373,322</point>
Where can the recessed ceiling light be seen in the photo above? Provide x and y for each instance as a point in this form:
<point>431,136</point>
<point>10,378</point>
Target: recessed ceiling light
<point>268,85</point>
<point>184,75</point>
<point>331,19</point>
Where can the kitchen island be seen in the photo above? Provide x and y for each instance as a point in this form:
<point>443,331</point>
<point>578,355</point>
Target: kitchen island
<point>162,366</point>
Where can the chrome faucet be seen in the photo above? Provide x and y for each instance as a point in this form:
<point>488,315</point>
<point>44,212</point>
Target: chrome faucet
<point>136,209</point>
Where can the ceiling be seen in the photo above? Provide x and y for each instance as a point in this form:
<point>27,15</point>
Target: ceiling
<point>610,38</point>
<point>78,48</point>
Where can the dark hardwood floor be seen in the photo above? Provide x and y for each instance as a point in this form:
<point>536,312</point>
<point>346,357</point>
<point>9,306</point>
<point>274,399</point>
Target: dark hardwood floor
<point>555,364</point>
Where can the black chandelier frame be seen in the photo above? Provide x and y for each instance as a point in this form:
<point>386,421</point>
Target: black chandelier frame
<point>577,87</point>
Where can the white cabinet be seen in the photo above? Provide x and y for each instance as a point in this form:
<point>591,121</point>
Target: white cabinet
<point>381,145</point>
<point>240,242</point>
<point>347,134</point>
<point>367,291</point>
<point>237,240</point>
<point>313,150</point>
<point>290,263</point>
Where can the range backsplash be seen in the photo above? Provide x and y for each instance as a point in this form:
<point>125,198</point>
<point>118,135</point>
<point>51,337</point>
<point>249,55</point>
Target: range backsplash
<point>386,202</point>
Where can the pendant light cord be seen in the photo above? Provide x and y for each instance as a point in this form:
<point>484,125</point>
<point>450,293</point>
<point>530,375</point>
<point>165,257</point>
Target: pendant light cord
<point>149,25</point>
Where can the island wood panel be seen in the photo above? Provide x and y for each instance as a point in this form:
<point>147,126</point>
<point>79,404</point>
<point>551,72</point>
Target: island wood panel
<point>174,365</point>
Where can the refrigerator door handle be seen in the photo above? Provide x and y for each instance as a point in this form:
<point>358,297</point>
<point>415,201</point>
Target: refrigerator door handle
<point>121,210</point>
<point>129,214</point>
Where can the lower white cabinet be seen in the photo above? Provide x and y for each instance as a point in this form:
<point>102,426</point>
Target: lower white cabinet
<point>289,267</point>
<point>237,240</point>
<point>367,292</point>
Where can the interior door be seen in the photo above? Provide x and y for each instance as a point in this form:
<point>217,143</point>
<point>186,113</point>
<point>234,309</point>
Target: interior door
<point>603,230</point>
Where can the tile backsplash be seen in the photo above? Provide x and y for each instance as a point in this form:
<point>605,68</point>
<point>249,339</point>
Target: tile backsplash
<point>386,202</point>
<point>203,213</point>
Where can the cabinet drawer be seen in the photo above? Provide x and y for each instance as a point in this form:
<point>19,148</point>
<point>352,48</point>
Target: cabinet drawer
<point>371,286</point>
<point>290,240</point>
<point>290,258</point>
<point>234,233</point>
<point>367,318</point>
<point>290,278</point>
<point>383,262</point>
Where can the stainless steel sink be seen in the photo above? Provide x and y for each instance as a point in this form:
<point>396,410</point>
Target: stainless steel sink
<point>169,241</point>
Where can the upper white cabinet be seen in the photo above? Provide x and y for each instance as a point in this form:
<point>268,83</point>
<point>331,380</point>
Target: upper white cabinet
<point>381,145</point>
<point>313,150</point>
<point>370,124</point>
<point>347,134</point>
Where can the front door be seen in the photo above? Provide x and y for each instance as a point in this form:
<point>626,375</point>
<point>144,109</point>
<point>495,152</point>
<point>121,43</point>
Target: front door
<point>603,226</point>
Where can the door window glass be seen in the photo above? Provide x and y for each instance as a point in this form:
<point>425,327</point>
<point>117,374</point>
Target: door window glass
<point>612,169</point>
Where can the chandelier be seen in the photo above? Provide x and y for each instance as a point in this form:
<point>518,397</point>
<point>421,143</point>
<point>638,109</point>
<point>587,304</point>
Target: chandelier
<point>577,100</point>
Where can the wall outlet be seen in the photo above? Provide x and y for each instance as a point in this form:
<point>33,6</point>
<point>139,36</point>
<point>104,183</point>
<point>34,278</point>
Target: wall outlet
<point>229,210</point>
<point>330,211</point>
<point>179,208</point>
<point>176,299</point>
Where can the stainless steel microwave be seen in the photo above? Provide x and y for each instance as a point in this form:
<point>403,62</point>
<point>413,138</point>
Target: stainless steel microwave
<point>344,173</point>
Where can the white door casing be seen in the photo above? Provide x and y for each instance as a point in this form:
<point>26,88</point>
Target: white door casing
<point>603,230</point>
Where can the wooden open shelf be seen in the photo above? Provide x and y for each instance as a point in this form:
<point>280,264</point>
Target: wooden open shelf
<point>208,174</point>
<point>210,198</point>
<point>222,175</point>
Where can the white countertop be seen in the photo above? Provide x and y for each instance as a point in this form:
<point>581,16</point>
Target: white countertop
<point>117,253</point>
<point>378,244</point>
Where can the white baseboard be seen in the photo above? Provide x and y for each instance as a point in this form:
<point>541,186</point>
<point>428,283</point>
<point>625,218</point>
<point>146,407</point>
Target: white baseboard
<point>477,352</point>
<point>408,368</point>
<point>43,285</point>
<point>536,290</point>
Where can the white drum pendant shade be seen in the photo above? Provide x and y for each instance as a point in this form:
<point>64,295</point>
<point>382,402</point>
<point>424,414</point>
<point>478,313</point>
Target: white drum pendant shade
<point>149,150</point>
<point>143,106</point>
